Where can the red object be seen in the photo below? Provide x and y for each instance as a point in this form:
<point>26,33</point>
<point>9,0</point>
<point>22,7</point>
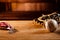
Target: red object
<point>2,24</point>
<point>6,26</point>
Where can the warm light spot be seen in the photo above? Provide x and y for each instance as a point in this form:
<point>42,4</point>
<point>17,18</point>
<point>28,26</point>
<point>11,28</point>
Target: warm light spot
<point>29,6</point>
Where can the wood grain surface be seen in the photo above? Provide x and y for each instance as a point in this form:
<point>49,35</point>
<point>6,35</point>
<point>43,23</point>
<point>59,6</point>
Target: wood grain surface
<point>27,30</point>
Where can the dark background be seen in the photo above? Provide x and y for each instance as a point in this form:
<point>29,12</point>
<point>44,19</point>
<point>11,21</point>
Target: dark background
<point>8,14</point>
